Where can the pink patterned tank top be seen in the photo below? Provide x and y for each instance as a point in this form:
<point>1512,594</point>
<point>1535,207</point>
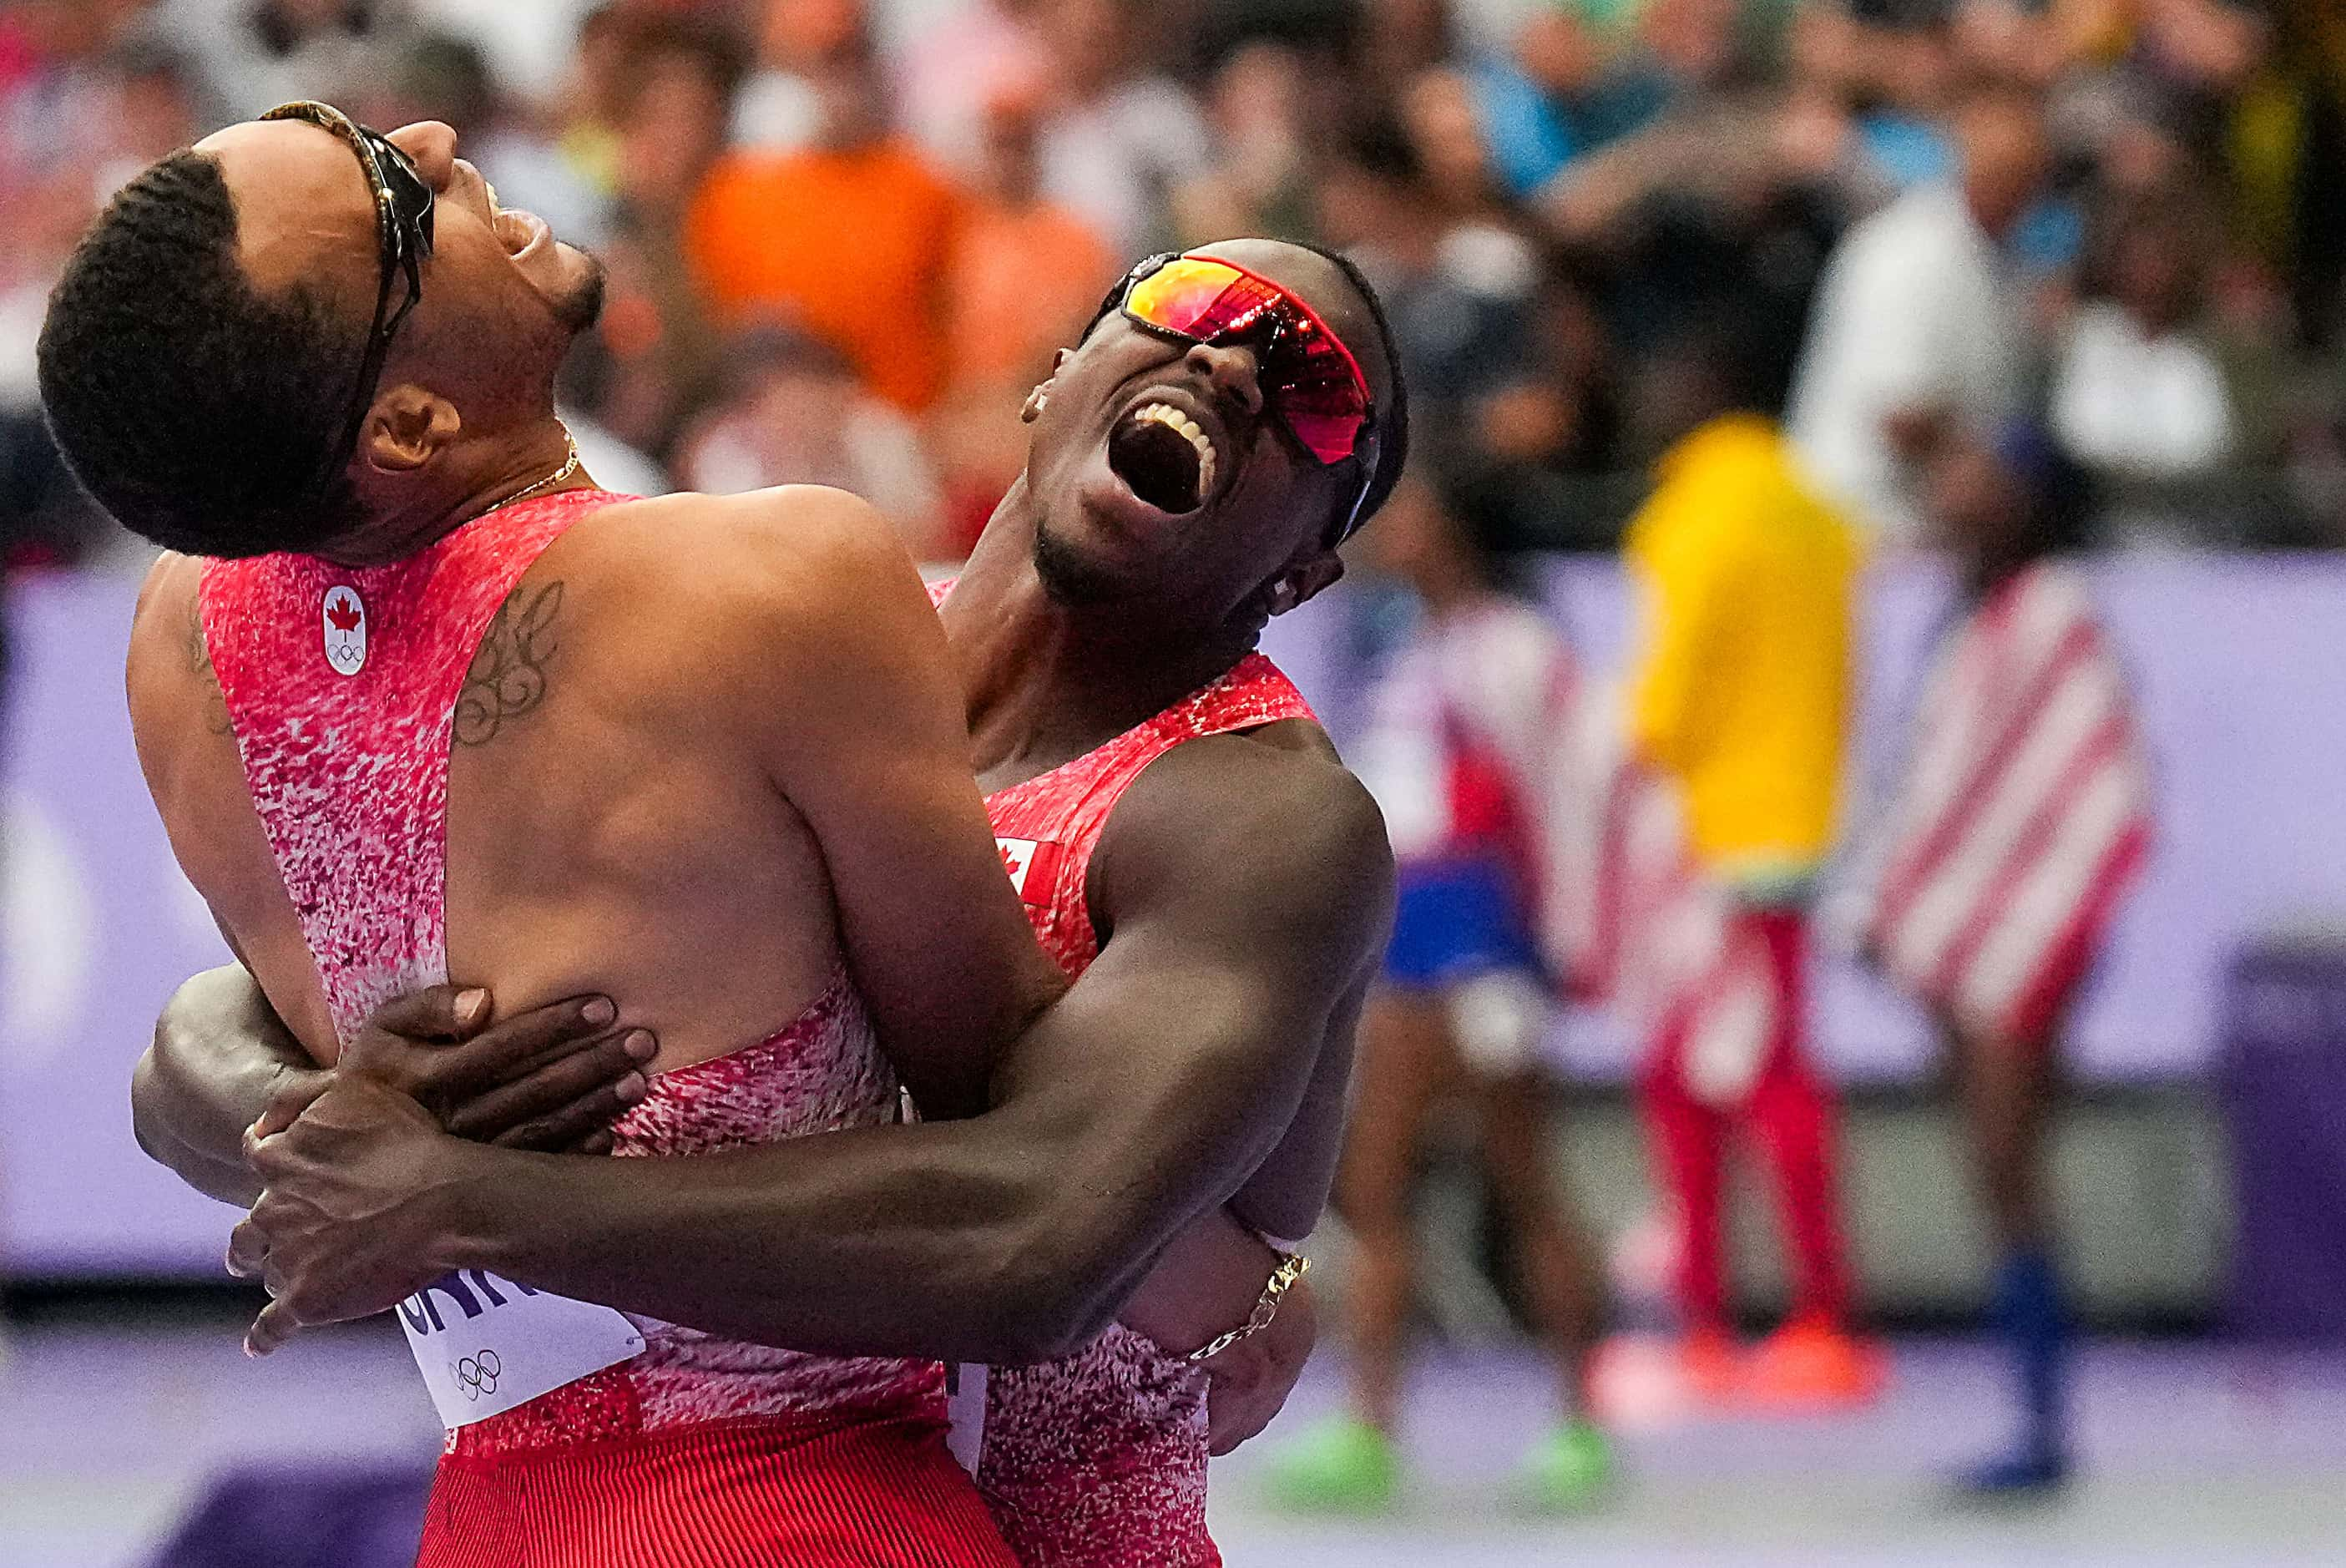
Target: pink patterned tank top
<point>1098,1461</point>
<point>344,688</point>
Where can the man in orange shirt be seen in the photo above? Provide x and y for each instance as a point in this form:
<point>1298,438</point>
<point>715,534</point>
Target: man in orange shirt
<point>1029,271</point>
<point>1024,280</point>
<point>849,237</point>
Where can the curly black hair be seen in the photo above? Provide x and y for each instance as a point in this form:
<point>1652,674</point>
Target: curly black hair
<point>197,410</point>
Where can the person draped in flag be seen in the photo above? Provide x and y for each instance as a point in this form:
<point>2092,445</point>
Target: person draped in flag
<point>2013,838</point>
<point>1739,695</point>
<point>1455,749</point>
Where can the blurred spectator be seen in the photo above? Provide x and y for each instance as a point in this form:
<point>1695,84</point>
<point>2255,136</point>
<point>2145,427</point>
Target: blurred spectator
<point>1398,39</point>
<point>74,75</point>
<point>2149,391</point>
<point>653,361</point>
<point>1582,78</point>
<point>1028,273</point>
<point>116,111</point>
<point>1993,933</point>
<point>1456,752</point>
<point>960,64</point>
<point>849,237</point>
<point>529,39</point>
<point>127,107</point>
<point>1458,291</point>
<point>793,413</point>
<point>1905,81</point>
<point>263,53</point>
<point>1121,137</point>
<point>1920,320</point>
<point>1024,278</point>
<point>1527,97</point>
<point>1260,182</point>
<point>1741,694</point>
<point>1439,114</point>
<point>782,106</point>
<point>2288,146</point>
<point>444,77</point>
<point>583,119</point>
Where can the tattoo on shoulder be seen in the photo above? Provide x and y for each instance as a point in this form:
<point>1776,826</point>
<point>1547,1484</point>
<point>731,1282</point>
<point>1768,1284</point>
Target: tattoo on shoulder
<point>507,678</point>
<point>199,665</point>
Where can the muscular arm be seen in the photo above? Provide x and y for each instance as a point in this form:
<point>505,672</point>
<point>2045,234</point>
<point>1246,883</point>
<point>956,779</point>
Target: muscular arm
<point>1246,890</point>
<point>851,700</point>
<point>220,1056</point>
<point>553,1078</point>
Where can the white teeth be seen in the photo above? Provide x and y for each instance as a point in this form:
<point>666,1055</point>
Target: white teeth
<point>1166,414</point>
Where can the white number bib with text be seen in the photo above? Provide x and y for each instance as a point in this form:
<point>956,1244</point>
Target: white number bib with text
<point>485,1344</point>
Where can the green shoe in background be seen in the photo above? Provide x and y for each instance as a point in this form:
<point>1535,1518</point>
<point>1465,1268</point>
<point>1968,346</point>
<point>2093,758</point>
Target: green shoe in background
<point>1341,1466</point>
<point>1568,1469</point>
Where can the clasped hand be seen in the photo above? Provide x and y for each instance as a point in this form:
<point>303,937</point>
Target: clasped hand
<point>362,1163</point>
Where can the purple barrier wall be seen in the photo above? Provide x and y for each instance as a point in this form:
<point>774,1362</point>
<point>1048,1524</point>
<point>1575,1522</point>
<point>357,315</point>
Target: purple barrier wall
<point>99,926</point>
<point>2238,663</point>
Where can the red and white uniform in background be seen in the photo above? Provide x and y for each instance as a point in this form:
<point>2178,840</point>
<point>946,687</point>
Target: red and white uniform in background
<point>1098,1461</point>
<point>1458,730</point>
<point>2022,818</point>
<point>1631,916</point>
<point>578,1436</point>
<point>1713,991</point>
<point>1454,752</point>
<point>1486,731</point>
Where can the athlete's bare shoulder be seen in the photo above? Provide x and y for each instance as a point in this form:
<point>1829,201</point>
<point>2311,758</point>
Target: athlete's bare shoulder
<point>765,560</point>
<point>1252,819</point>
<point>1295,735</point>
<point>168,596</point>
<point>168,672</point>
<point>757,605</point>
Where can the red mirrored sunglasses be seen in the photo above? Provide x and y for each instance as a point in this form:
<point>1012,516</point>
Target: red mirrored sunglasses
<point>1309,379</point>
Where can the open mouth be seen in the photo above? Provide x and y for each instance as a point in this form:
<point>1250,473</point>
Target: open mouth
<point>517,230</point>
<point>1163,456</point>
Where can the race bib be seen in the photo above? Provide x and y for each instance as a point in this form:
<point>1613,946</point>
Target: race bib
<point>485,1344</point>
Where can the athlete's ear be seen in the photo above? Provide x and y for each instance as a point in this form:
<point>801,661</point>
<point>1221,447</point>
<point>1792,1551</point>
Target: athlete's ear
<point>1040,398</point>
<point>1300,584</point>
<point>407,428</point>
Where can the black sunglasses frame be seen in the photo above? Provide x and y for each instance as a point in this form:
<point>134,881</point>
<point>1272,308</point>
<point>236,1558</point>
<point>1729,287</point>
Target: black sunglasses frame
<point>404,204</point>
<point>1368,449</point>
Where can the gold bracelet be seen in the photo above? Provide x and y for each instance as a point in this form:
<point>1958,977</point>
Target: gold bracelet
<point>1292,1266</point>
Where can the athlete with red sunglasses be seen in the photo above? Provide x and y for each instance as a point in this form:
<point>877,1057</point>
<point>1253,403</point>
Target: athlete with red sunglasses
<point>1188,849</point>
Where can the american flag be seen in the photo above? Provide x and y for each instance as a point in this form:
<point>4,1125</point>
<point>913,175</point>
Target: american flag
<point>2023,816</point>
<point>1629,913</point>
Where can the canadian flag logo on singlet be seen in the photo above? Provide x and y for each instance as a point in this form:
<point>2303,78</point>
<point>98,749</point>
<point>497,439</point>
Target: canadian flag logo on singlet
<point>344,614</point>
<point>1033,867</point>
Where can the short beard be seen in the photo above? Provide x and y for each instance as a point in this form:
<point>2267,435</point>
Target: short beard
<point>1066,576</point>
<point>579,310</point>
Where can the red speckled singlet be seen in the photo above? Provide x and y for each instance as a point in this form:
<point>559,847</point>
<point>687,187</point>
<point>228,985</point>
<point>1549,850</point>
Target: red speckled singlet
<point>1099,1460</point>
<point>700,1452</point>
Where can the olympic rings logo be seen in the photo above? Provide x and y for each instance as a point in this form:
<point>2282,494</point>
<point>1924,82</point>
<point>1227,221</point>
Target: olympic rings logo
<point>477,1375</point>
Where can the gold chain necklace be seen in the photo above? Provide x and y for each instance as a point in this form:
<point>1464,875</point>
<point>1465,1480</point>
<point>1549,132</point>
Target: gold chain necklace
<point>549,482</point>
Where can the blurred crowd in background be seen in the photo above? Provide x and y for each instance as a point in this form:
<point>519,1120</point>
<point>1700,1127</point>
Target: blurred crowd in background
<point>845,235</point>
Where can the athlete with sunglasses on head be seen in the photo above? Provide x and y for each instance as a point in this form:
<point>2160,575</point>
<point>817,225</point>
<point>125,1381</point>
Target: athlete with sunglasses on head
<point>647,754</point>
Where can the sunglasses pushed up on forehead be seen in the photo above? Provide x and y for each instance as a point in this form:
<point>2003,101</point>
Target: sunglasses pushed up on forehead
<point>1309,380</point>
<point>404,207</point>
